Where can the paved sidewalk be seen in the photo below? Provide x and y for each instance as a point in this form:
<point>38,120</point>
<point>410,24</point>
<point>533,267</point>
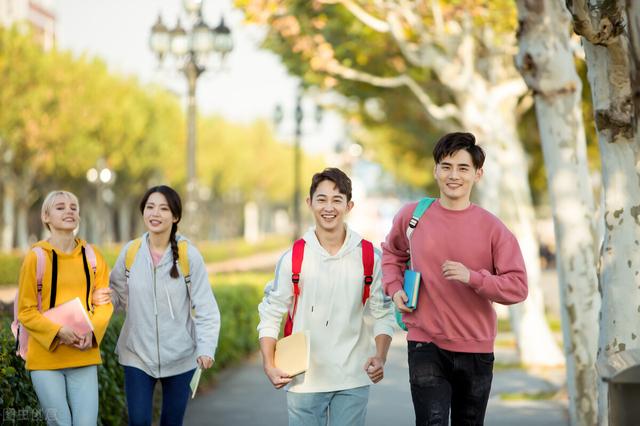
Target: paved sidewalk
<point>244,397</point>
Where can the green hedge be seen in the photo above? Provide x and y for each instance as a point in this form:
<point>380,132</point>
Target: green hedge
<point>212,251</point>
<point>10,268</point>
<point>238,338</point>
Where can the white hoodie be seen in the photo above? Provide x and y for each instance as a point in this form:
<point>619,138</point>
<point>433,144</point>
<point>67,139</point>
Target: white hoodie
<point>330,308</point>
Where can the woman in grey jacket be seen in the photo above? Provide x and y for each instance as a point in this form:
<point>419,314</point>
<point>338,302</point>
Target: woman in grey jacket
<point>162,338</point>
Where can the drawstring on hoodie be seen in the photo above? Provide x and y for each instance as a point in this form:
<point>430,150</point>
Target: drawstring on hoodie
<point>169,301</point>
<point>166,292</point>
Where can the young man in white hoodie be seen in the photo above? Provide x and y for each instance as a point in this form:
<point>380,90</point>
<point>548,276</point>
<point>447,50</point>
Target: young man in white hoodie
<point>349,340</point>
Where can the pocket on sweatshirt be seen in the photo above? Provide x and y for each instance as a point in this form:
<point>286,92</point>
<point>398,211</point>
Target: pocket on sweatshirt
<point>144,347</point>
<point>176,345</point>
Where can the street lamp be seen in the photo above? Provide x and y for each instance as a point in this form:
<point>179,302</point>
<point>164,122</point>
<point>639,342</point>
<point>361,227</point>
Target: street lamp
<point>101,176</point>
<point>191,48</point>
<point>299,117</point>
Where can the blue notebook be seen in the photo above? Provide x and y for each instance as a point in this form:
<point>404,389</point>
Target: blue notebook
<point>411,286</point>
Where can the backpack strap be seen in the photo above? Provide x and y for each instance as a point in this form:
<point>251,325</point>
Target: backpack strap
<point>87,276</point>
<point>54,278</point>
<point>183,260</point>
<point>130,255</point>
<point>367,266</point>
<point>296,266</point>
<point>91,257</point>
<point>40,264</point>
<point>419,210</point>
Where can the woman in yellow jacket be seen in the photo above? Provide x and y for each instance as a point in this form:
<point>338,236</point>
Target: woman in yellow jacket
<point>63,364</point>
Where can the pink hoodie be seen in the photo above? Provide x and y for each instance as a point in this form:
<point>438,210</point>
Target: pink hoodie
<point>455,316</point>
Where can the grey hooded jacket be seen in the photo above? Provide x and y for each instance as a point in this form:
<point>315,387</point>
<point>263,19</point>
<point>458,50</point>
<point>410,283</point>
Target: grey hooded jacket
<point>159,336</point>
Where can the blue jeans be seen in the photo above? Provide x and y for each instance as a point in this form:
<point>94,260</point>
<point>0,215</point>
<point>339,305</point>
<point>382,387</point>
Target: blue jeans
<point>68,396</point>
<point>443,381</point>
<point>139,389</point>
<point>346,407</point>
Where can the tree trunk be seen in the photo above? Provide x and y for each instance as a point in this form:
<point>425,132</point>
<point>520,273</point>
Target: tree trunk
<point>22,226</point>
<point>607,52</point>
<point>621,251</point>
<point>124,219</point>
<point>508,196</point>
<point>633,27</point>
<point>8,215</point>
<point>546,62</point>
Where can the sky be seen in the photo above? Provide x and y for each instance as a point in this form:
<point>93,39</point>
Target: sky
<point>247,87</point>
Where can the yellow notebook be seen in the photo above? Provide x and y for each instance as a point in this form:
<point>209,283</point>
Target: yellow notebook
<point>292,354</point>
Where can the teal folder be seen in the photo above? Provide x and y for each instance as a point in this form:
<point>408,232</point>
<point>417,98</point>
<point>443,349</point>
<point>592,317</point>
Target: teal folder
<point>411,287</point>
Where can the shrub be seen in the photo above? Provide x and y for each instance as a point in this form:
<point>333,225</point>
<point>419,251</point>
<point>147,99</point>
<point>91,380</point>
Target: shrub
<point>238,338</point>
<point>10,270</point>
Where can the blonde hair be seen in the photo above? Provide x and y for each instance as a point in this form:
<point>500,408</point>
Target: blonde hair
<point>48,203</point>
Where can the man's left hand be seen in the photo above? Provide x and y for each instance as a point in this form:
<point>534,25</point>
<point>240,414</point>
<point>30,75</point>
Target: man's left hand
<point>455,271</point>
<point>374,368</point>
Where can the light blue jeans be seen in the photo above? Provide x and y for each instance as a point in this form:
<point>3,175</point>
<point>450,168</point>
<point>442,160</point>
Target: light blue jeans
<point>68,396</point>
<point>346,407</point>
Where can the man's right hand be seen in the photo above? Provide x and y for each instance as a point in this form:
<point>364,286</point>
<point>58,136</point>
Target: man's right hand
<point>400,299</point>
<point>101,296</point>
<point>277,377</point>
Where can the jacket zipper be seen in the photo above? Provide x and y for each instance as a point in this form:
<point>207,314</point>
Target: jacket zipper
<point>155,297</point>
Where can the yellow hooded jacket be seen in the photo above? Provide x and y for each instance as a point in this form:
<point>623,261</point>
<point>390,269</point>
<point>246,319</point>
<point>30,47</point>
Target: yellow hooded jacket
<point>45,351</point>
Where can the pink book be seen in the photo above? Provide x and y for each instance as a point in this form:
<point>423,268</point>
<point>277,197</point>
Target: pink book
<point>71,314</point>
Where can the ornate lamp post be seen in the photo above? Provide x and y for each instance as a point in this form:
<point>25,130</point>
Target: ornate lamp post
<point>191,48</point>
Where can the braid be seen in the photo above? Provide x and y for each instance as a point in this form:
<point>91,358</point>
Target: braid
<point>174,250</point>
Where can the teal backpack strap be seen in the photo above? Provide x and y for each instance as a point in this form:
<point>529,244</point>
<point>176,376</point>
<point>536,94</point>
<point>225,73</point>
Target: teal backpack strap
<point>421,207</point>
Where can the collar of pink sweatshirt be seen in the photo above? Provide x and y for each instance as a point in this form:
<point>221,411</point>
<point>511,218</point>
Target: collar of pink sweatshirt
<point>455,316</point>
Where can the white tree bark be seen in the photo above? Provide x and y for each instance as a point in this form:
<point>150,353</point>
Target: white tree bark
<point>546,62</point>
<point>22,228</point>
<point>633,27</point>
<point>125,208</point>
<point>608,60</point>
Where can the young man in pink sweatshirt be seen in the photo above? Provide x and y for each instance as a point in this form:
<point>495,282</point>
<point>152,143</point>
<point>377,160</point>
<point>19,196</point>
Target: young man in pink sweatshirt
<point>468,260</point>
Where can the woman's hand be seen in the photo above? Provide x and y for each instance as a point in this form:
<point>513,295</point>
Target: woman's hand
<point>101,296</point>
<point>67,336</point>
<point>85,342</point>
<point>205,362</point>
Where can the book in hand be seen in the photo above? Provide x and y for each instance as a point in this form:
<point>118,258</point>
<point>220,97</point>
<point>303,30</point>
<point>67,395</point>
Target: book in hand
<point>195,380</point>
<point>72,315</point>
<point>411,286</point>
<point>292,354</point>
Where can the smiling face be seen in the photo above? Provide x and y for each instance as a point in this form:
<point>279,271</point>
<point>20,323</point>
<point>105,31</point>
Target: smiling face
<point>329,206</point>
<point>157,215</point>
<point>456,175</point>
<point>63,214</point>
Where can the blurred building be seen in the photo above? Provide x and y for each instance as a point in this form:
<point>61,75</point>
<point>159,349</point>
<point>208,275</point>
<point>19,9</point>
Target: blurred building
<point>36,14</point>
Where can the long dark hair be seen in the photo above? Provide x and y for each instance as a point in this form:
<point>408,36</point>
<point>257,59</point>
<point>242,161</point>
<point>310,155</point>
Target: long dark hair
<point>175,205</point>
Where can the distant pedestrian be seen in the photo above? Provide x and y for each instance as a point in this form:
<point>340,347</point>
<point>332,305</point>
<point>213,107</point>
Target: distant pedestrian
<point>340,305</point>
<point>62,363</point>
<point>172,318</point>
<point>468,260</point>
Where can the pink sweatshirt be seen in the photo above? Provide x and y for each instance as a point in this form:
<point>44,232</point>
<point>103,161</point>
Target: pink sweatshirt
<point>455,316</point>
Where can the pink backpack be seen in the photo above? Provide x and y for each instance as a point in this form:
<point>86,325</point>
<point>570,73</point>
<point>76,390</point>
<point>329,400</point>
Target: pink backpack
<point>19,332</point>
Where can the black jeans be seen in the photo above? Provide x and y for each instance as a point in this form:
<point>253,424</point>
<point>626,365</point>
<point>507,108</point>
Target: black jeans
<point>442,380</point>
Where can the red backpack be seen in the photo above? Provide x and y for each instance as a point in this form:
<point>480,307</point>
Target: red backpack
<point>296,266</point>
<point>18,330</point>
